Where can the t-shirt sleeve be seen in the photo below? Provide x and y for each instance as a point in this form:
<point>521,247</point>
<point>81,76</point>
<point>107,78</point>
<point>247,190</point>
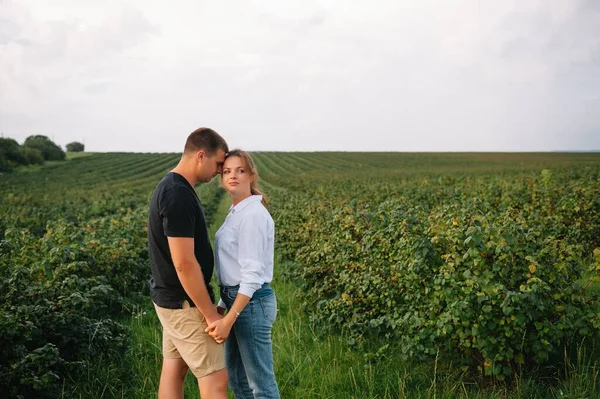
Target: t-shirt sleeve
<point>178,210</point>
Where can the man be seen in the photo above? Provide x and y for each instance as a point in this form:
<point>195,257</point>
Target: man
<point>182,264</point>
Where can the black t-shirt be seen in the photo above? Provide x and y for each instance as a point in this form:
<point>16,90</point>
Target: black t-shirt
<point>175,211</point>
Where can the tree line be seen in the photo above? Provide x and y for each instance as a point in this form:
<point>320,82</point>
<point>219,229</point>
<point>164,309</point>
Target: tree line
<point>35,150</point>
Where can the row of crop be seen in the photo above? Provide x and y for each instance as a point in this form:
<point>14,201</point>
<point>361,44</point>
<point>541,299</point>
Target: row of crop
<point>84,188</point>
<point>58,295</point>
<point>71,261</point>
<point>89,172</point>
<point>490,273</point>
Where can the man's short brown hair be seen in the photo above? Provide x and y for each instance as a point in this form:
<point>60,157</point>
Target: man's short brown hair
<point>207,140</point>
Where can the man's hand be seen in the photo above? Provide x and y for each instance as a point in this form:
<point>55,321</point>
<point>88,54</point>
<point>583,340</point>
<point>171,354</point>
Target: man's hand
<point>213,317</point>
<point>220,329</point>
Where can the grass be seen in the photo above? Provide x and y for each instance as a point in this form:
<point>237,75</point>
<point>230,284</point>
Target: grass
<point>37,168</point>
<point>81,154</point>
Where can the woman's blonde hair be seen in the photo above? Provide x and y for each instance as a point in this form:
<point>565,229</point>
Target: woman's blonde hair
<point>251,167</point>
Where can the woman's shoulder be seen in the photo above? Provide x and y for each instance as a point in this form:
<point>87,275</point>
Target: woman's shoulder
<point>257,210</point>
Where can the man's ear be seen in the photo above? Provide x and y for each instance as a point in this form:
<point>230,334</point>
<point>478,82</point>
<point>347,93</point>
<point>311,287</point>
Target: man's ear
<point>200,155</point>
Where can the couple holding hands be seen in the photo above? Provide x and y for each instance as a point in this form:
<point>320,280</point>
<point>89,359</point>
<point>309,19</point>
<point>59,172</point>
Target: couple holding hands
<point>232,341</point>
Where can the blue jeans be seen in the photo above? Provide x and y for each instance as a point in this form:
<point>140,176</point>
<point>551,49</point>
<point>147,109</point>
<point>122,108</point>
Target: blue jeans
<point>248,350</point>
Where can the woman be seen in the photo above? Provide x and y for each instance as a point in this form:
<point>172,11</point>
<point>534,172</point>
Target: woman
<point>244,247</point>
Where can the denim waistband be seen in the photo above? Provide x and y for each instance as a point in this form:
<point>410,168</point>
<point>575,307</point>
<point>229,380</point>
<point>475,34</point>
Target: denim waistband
<point>263,291</point>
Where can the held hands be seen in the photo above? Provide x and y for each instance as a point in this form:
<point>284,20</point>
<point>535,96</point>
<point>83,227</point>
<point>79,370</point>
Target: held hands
<point>220,329</point>
<point>213,316</point>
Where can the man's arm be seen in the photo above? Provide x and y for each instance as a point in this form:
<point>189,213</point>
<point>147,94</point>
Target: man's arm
<point>190,276</point>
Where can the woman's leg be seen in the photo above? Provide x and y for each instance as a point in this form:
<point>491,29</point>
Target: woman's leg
<point>235,367</point>
<point>253,332</point>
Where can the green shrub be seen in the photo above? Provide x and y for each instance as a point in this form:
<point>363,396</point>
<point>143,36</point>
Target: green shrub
<point>75,146</point>
<point>492,283</point>
<point>32,156</point>
<point>10,155</point>
<point>60,295</point>
<point>50,151</point>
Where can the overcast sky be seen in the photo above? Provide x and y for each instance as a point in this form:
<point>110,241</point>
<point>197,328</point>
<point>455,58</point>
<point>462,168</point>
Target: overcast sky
<point>398,75</point>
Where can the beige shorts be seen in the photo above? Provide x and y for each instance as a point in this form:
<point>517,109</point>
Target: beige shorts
<point>184,337</point>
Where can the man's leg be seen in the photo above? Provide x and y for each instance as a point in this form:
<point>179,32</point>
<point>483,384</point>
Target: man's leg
<point>214,385</point>
<point>171,378</point>
<point>186,344</point>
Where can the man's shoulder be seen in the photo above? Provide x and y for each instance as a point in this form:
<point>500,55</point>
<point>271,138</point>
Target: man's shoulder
<point>173,186</point>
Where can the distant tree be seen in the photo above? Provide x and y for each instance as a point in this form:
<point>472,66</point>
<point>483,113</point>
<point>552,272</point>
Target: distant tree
<point>33,156</point>
<point>10,155</point>
<point>75,146</point>
<point>50,151</point>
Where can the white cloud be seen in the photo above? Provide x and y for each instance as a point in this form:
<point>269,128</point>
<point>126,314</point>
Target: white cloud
<point>393,75</point>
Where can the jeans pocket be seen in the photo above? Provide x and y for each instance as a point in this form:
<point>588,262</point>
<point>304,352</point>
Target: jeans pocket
<point>231,294</point>
<point>269,307</point>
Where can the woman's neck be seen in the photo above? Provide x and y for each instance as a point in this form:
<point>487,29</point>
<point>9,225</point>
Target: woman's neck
<point>239,198</point>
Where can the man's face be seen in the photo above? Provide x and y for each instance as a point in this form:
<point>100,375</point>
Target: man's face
<point>210,166</point>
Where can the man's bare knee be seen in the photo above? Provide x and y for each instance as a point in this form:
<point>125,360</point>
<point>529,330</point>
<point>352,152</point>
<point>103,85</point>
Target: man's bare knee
<point>214,385</point>
<point>175,368</point>
<point>171,378</point>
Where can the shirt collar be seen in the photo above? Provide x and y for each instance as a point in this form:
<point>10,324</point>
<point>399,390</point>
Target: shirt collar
<point>244,203</point>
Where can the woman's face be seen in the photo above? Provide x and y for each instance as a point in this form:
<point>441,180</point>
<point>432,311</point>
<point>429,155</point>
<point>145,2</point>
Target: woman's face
<point>236,177</point>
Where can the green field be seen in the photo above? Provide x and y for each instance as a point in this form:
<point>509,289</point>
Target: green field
<point>399,275</point>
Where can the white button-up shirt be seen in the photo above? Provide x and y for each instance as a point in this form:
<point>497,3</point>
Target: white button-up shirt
<point>244,247</point>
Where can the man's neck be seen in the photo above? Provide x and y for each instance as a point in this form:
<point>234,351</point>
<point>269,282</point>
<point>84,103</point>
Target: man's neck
<point>186,173</point>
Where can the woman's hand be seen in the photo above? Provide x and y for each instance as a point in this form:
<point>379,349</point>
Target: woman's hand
<point>220,329</point>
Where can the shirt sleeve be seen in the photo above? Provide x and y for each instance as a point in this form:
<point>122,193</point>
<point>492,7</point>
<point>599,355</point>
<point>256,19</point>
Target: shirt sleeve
<point>252,249</point>
<point>178,213</point>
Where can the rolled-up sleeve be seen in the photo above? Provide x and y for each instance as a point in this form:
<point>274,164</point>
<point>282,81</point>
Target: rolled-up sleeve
<point>252,250</point>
